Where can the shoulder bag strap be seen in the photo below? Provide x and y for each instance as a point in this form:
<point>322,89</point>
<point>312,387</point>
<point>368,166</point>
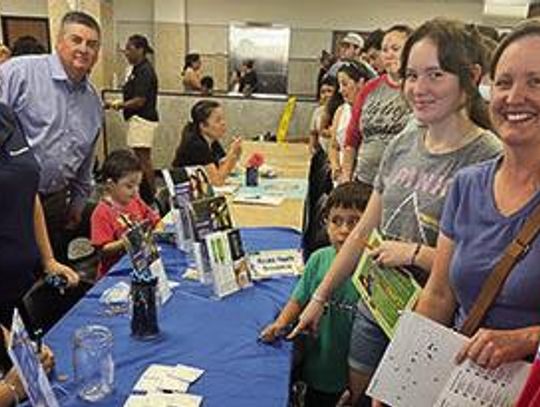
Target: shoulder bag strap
<point>494,283</point>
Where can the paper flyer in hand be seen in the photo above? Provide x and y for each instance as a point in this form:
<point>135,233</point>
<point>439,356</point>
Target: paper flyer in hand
<point>275,263</point>
<point>144,255</point>
<point>385,291</point>
<point>22,352</point>
<point>418,369</point>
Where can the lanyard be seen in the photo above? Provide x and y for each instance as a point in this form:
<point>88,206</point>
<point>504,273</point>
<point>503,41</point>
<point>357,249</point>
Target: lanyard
<point>130,224</point>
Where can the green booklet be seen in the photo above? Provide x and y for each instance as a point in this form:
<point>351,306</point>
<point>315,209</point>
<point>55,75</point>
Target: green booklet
<point>386,291</point>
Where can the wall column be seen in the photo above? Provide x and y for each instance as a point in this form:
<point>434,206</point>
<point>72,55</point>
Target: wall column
<point>169,42</point>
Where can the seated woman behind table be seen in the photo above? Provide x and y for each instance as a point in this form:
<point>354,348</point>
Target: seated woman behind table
<point>200,143</point>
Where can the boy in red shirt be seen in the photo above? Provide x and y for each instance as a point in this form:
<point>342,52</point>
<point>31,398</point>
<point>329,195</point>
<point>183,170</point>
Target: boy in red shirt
<point>119,208</point>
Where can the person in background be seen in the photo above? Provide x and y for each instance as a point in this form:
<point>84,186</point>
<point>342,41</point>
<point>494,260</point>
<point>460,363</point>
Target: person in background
<point>5,53</point>
<point>351,77</point>
<point>119,208</point>
<point>326,60</point>
<point>27,45</point>
<point>484,59</point>
<point>487,205</point>
<point>378,115</point>
<point>234,84</point>
<point>319,136</point>
<point>200,143</point>
<point>139,106</point>
<point>350,48</point>
<point>248,78</point>
<point>448,132</point>
<point>372,50</point>
<point>331,107</point>
<point>324,365</point>
<point>25,250</point>
<point>61,115</point>
<point>191,74</point>
<point>207,85</point>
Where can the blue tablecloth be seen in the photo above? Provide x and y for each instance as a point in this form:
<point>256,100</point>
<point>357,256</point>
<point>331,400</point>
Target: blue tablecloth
<point>216,335</point>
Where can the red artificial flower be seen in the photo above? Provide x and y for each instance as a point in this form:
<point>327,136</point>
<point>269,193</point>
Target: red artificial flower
<point>255,160</point>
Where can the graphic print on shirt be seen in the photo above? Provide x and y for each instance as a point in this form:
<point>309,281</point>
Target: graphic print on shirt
<point>419,195</point>
<point>384,118</point>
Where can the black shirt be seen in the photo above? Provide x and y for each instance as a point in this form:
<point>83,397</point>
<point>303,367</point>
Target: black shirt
<point>142,82</point>
<point>19,179</point>
<point>249,79</point>
<point>195,150</point>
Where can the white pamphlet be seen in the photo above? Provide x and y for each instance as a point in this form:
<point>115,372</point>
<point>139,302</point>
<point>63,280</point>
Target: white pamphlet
<point>221,264</point>
<point>164,385</point>
<point>227,262</point>
<point>418,369</point>
<point>158,270</point>
<point>163,400</point>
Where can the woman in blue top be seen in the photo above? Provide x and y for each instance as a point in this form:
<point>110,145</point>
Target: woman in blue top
<point>485,210</point>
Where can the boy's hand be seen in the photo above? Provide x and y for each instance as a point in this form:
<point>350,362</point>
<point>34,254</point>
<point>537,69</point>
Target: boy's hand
<point>271,332</point>
<point>309,320</point>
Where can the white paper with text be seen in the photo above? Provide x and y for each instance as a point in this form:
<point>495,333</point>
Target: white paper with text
<point>418,369</point>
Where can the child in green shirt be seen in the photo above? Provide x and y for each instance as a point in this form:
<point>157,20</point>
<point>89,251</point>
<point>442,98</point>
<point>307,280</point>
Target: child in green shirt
<point>324,367</point>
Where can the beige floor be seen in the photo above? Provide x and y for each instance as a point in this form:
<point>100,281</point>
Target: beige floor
<point>290,161</point>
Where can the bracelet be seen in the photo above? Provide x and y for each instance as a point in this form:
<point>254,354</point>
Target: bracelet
<point>13,391</point>
<point>415,254</point>
<point>318,299</point>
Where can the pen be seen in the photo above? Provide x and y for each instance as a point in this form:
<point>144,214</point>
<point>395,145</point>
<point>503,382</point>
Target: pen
<point>39,340</point>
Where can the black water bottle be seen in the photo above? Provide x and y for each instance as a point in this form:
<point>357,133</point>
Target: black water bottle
<point>144,319</point>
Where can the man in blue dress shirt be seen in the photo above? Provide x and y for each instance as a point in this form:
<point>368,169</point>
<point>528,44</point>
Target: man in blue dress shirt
<point>61,115</point>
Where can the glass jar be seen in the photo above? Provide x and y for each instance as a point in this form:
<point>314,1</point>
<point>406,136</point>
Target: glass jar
<point>93,363</point>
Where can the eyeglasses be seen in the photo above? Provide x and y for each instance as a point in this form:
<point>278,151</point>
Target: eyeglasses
<point>339,221</point>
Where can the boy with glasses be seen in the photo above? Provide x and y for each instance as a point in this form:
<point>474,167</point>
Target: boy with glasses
<point>324,368</point>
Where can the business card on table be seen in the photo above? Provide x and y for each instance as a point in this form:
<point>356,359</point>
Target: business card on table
<point>189,373</point>
<point>167,378</point>
<point>163,400</point>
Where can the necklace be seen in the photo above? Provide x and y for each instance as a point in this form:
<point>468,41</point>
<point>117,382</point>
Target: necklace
<point>467,138</point>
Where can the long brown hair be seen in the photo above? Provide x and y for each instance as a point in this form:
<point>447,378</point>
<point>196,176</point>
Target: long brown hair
<point>458,50</point>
